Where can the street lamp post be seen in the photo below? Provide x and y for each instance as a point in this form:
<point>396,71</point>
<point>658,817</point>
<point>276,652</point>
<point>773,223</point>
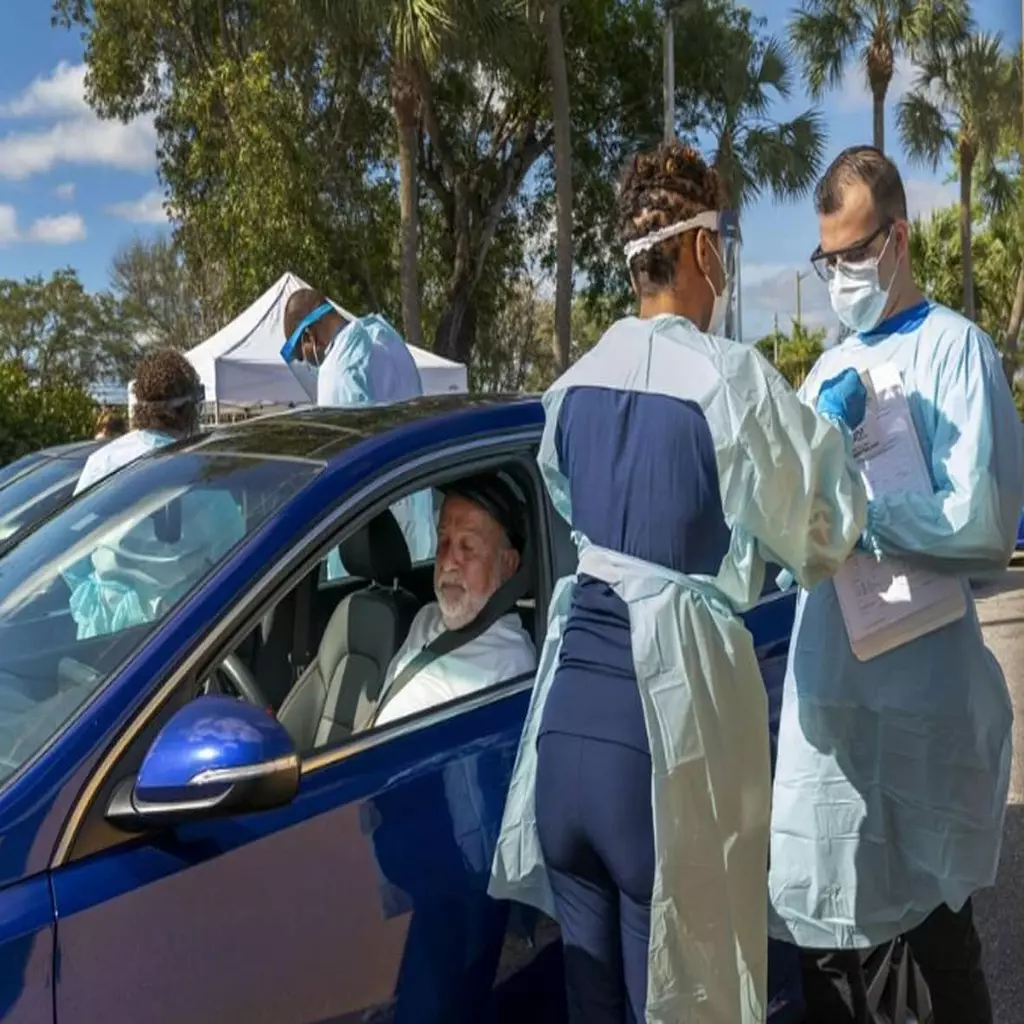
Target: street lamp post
<point>668,71</point>
<point>668,76</point>
<point>799,278</point>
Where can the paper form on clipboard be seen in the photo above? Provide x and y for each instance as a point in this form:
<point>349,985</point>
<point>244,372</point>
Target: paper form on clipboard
<point>888,603</point>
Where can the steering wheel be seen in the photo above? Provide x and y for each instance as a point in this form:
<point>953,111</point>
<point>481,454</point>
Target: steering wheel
<point>241,679</point>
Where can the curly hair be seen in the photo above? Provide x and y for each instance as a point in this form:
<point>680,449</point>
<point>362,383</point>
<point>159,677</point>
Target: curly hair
<point>165,375</point>
<point>662,187</point>
<point>111,423</point>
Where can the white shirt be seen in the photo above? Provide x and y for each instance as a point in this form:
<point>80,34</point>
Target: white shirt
<point>503,651</point>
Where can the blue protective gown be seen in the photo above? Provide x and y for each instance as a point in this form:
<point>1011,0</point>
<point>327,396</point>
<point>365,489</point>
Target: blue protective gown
<point>368,363</point>
<point>118,453</point>
<point>656,600</point>
<point>892,774</point>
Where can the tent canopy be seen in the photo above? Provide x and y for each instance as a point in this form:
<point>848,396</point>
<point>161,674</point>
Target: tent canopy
<point>241,364</point>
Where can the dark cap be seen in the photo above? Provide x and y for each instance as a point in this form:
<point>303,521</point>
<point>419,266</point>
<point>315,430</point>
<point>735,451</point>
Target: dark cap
<point>498,498</point>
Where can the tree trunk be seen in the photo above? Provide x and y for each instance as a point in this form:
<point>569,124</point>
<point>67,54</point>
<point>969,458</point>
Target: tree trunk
<point>878,114</point>
<point>456,332</point>
<point>966,170</point>
<point>1012,337</point>
<point>563,182</point>
<point>404,107</point>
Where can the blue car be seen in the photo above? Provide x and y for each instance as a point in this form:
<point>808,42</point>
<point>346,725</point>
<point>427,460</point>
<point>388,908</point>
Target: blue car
<point>192,826</point>
<point>1020,533</point>
<point>38,484</point>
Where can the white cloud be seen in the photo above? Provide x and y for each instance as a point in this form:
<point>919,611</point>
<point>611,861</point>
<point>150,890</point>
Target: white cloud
<point>75,136</point>
<point>58,94</point>
<point>769,291</point>
<point>65,192</point>
<point>63,229</point>
<point>148,209</point>
<point>8,224</point>
<point>925,197</point>
<point>128,147</point>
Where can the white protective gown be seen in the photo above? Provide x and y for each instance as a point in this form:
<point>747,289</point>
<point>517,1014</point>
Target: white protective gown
<point>789,492</point>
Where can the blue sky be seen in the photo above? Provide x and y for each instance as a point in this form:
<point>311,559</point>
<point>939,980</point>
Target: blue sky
<point>73,189</point>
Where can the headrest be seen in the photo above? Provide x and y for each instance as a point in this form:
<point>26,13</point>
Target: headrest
<point>497,496</point>
<point>377,551</point>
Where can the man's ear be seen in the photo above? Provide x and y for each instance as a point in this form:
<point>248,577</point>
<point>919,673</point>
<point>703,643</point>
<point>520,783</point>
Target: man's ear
<point>509,562</point>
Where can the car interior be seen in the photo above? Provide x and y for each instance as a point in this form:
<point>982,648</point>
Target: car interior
<point>318,658</point>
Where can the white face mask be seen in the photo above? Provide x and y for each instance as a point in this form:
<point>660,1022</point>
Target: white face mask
<point>857,295</point>
<point>721,302</point>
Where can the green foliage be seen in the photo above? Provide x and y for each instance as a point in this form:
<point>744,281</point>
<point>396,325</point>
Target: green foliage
<point>793,354</point>
<point>55,330</point>
<point>34,415</point>
<point>998,247</point>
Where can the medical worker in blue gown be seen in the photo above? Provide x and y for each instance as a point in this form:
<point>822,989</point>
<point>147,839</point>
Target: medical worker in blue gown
<point>892,774</point>
<point>639,807</point>
<point>344,364</point>
<point>168,402</point>
<point>141,569</point>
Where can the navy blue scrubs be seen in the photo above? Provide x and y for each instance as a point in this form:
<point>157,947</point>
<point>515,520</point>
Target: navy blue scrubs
<point>643,481</point>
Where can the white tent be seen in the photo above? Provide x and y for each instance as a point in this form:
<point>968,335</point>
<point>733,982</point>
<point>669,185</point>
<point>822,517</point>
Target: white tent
<point>241,364</point>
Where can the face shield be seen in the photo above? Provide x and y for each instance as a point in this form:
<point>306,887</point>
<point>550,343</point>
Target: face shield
<point>194,401</point>
<point>726,225</point>
<point>292,354</point>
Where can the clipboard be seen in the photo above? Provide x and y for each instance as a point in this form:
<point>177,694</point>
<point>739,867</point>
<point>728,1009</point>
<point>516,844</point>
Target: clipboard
<point>888,603</point>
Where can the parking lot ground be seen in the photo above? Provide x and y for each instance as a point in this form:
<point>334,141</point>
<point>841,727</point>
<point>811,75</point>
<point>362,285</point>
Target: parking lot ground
<point>1000,911</point>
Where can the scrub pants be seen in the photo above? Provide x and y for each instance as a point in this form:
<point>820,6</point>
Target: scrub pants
<point>946,947</point>
<point>596,832</point>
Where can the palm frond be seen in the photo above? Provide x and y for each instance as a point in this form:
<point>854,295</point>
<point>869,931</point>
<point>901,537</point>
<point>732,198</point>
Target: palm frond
<point>823,38</point>
<point>923,129</point>
<point>929,25</point>
<point>999,190</point>
<point>775,70</point>
<point>786,159</point>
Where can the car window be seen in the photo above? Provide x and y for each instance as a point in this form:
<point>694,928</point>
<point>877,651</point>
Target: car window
<point>85,590</point>
<point>36,493</point>
<point>363,633</point>
<point>13,469</point>
<point>421,542</point>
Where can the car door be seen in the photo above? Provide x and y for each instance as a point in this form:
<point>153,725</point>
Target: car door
<point>364,899</point>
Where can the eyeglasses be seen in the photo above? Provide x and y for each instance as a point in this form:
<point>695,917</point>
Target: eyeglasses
<point>824,263</point>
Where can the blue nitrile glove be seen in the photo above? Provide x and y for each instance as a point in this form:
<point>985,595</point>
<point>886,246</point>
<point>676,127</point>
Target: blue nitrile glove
<point>843,398</point>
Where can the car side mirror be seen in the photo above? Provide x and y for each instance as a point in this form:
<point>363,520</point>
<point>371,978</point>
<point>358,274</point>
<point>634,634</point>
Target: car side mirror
<point>217,756</point>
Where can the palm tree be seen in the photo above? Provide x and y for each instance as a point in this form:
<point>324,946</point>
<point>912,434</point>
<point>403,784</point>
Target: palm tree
<point>962,98</point>
<point>416,29</point>
<point>416,34</point>
<point>827,34</point>
<point>754,154</point>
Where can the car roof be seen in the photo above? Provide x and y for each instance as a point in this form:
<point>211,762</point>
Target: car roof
<point>322,434</point>
<point>76,450</point>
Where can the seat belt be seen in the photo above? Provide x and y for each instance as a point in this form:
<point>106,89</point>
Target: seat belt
<point>301,655</point>
<point>502,601</point>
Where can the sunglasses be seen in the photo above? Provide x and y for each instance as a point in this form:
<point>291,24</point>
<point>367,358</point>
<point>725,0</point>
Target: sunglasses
<point>825,263</point>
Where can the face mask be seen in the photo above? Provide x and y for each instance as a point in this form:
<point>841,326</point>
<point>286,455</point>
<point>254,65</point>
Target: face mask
<point>857,295</point>
<point>721,302</point>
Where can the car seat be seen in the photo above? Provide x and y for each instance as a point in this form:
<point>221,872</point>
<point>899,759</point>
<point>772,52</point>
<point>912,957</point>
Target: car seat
<point>363,634</point>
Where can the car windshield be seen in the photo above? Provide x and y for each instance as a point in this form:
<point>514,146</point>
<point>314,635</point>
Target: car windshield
<point>12,469</point>
<point>36,493</point>
<point>87,588</point>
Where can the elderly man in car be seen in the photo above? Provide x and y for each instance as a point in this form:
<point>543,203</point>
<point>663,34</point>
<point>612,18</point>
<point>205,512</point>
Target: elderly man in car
<point>480,540</point>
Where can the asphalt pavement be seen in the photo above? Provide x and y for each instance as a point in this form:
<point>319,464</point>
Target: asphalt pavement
<point>1000,911</point>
